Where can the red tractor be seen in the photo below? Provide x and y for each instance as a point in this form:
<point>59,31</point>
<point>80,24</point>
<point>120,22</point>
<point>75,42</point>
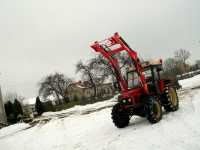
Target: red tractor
<point>142,90</point>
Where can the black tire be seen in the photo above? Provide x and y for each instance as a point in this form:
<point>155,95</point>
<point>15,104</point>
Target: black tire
<point>120,116</point>
<point>173,101</point>
<point>155,111</point>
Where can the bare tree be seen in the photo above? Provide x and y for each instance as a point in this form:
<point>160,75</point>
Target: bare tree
<point>87,74</point>
<point>182,56</point>
<point>171,67</point>
<point>57,85</point>
<point>101,68</point>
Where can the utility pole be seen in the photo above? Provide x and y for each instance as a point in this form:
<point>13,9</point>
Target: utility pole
<point>3,118</point>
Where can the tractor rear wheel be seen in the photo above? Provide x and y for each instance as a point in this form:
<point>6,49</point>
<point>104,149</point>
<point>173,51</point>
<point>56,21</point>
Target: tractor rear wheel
<point>155,111</point>
<point>173,101</point>
<point>120,116</point>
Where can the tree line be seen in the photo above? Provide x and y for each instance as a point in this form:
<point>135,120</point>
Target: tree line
<point>178,64</point>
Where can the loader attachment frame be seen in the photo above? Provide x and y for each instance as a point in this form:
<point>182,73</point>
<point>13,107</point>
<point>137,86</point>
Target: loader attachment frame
<point>113,46</point>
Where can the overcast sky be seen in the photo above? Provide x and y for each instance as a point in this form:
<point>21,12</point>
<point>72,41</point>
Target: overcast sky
<point>38,37</point>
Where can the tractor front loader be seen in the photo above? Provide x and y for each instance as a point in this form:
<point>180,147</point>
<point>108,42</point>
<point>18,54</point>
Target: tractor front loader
<point>142,90</point>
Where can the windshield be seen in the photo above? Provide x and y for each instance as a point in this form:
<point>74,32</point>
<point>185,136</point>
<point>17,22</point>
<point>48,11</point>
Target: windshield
<point>127,69</point>
<point>133,79</point>
<point>125,63</point>
<point>148,73</point>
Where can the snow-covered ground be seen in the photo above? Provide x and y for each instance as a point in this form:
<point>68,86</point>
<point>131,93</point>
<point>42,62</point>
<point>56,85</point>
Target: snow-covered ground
<point>81,110</point>
<point>95,131</point>
<point>191,82</point>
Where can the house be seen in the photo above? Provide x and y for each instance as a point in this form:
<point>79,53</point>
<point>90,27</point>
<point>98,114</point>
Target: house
<point>105,90</point>
<point>83,90</point>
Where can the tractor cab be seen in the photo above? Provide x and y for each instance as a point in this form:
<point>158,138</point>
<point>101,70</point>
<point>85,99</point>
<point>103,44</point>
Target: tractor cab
<point>152,71</point>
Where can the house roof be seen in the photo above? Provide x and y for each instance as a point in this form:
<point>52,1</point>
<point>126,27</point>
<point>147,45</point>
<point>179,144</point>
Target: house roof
<point>80,84</point>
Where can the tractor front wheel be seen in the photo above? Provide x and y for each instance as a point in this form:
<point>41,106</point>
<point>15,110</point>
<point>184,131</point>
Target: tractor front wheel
<point>120,116</point>
<point>155,111</point>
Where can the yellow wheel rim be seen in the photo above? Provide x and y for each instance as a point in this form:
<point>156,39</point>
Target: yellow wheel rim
<point>172,96</point>
<point>157,110</point>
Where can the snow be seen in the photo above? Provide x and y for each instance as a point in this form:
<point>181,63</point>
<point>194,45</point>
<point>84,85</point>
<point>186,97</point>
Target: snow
<point>12,129</point>
<point>78,110</point>
<point>190,82</point>
<point>88,131</point>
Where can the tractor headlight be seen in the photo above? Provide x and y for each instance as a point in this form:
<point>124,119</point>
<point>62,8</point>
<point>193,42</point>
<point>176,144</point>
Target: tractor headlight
<point>124,101</point>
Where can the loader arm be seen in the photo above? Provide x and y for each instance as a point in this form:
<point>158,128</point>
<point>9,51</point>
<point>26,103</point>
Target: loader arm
<point>114,45</point>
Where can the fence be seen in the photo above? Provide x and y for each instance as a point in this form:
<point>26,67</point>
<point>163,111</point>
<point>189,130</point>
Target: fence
<point>188,75</point>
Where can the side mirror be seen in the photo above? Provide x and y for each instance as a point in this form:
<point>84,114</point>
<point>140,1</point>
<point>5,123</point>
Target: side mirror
<point>116,86</point>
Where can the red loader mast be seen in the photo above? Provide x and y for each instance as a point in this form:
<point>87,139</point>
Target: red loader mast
<point>110,47</point>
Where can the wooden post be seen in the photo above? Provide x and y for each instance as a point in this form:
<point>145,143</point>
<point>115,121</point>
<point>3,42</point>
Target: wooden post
<point>3,118</point>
